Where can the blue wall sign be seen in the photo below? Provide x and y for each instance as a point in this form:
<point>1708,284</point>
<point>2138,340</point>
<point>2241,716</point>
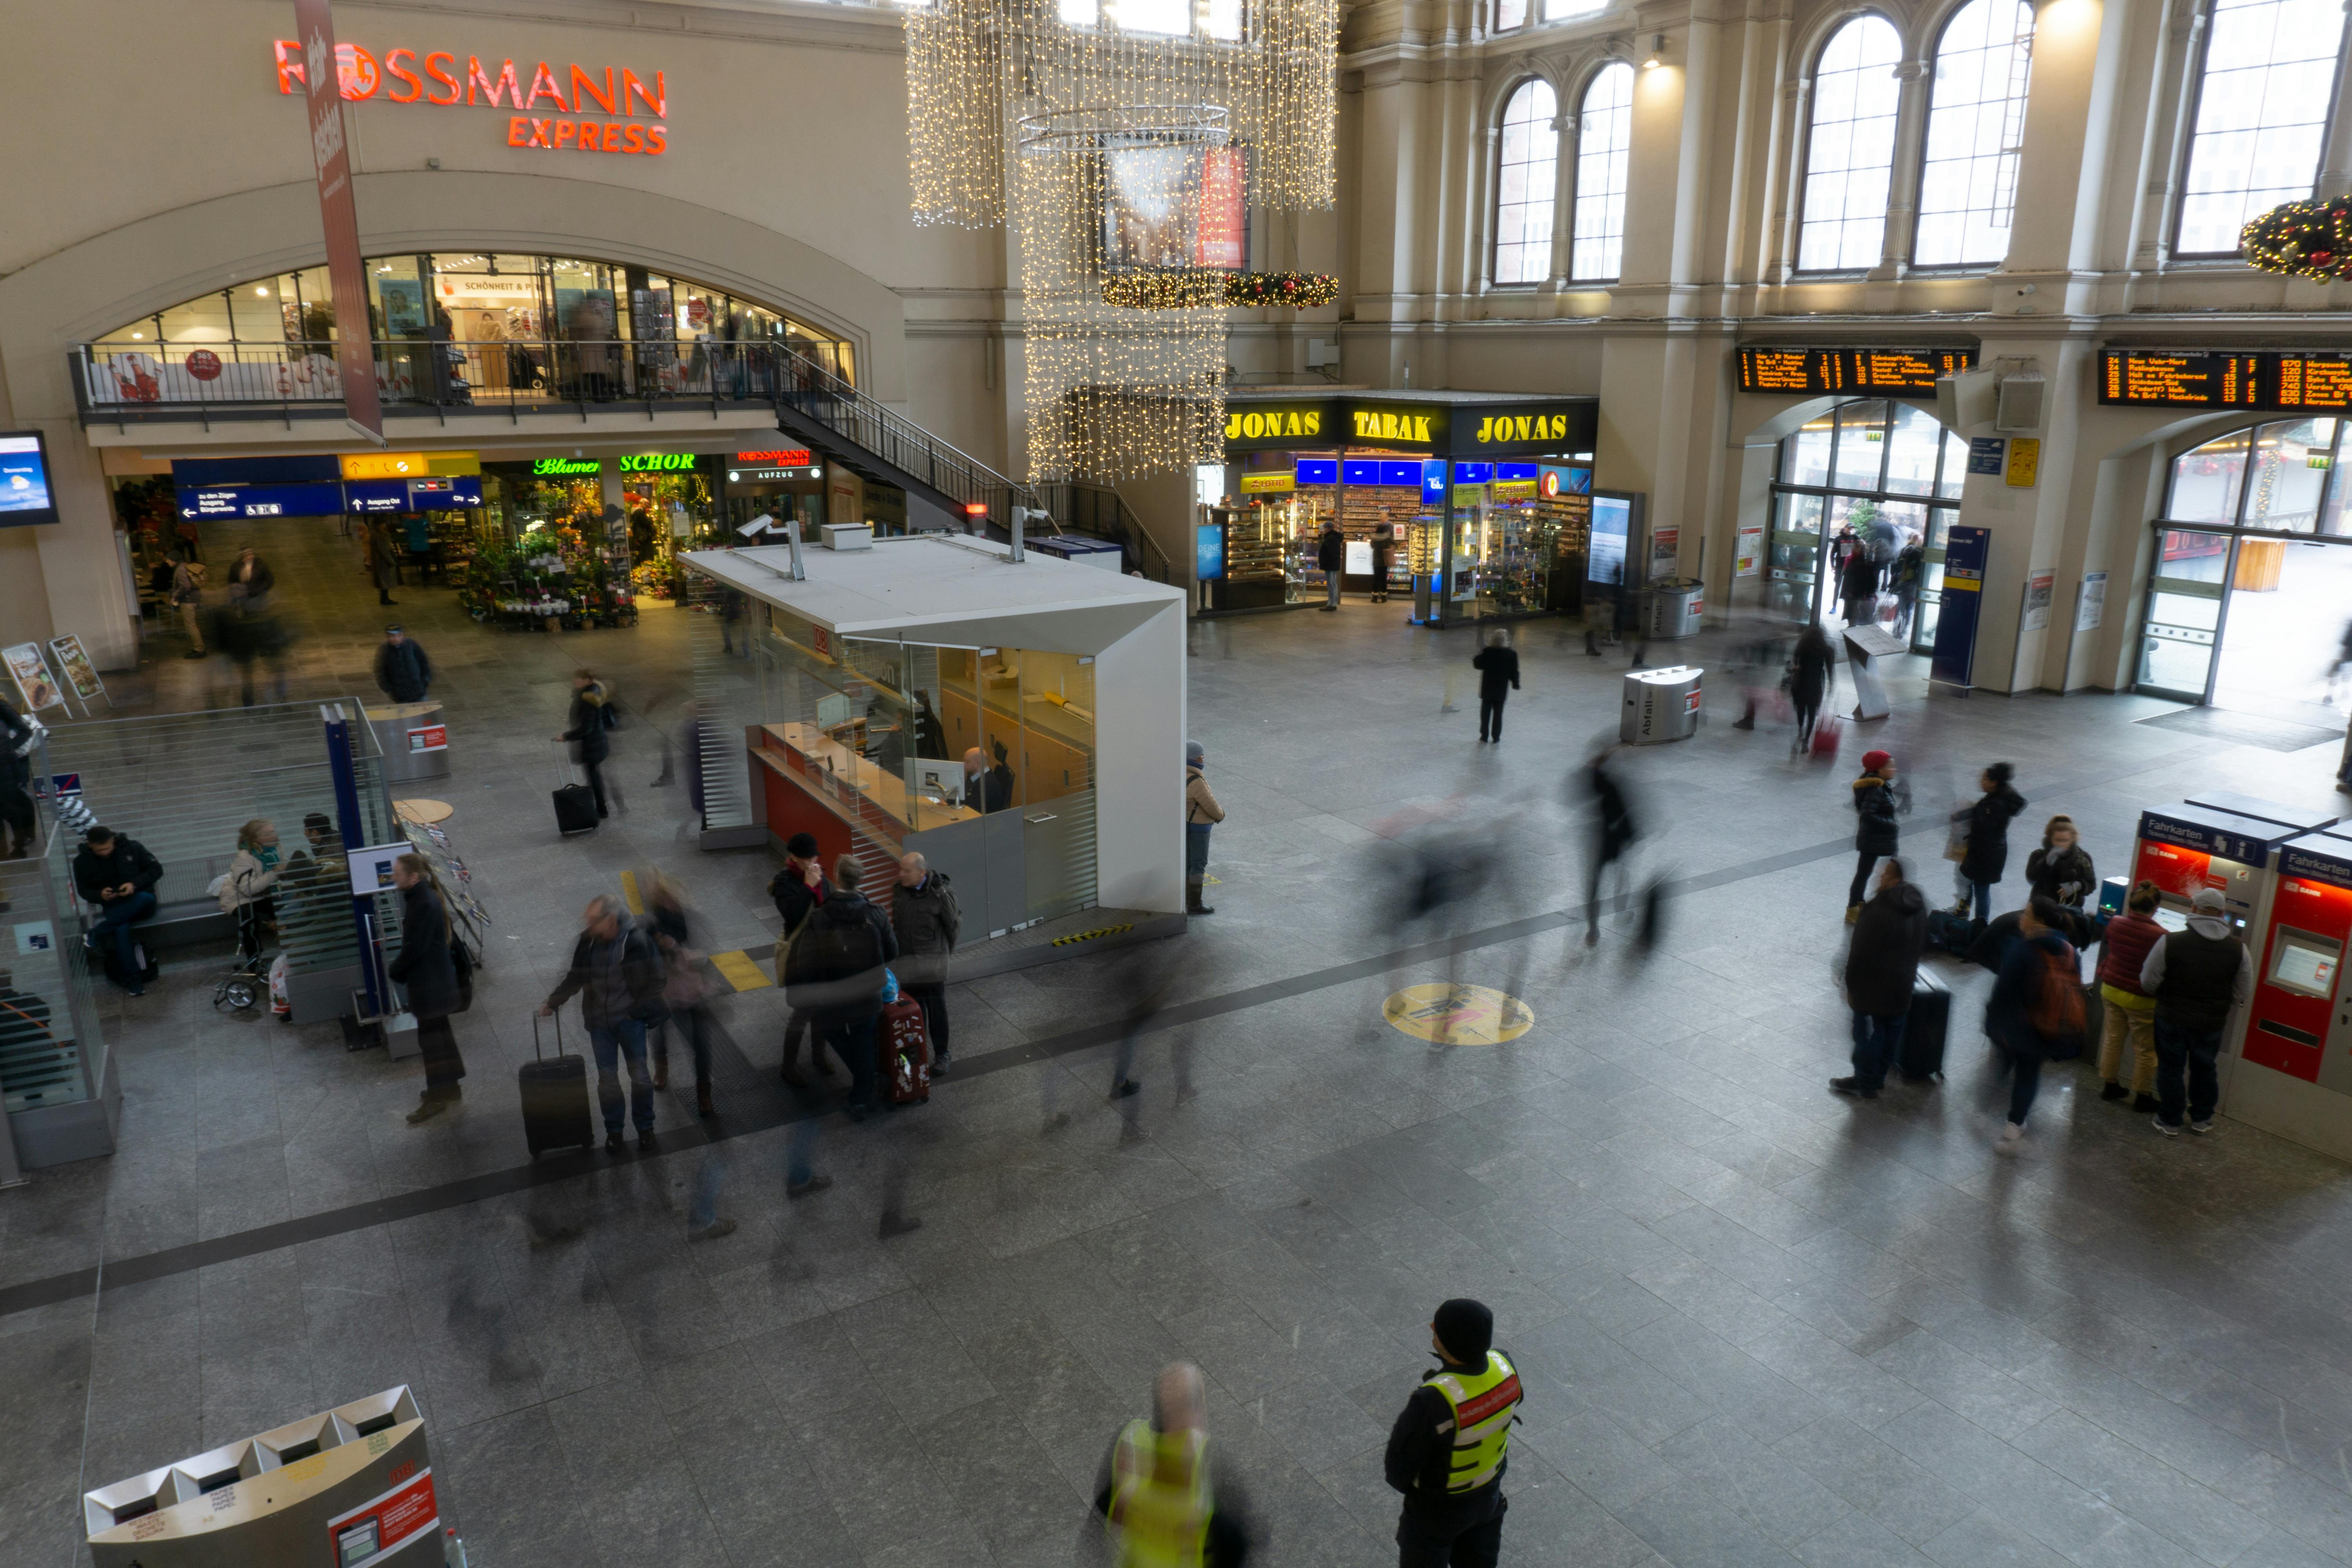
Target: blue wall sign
<point>244,502</point>
<point>1966,550</point>
<point>1209,551</point>
<point>2223,838</point>
<point>1988,454</point>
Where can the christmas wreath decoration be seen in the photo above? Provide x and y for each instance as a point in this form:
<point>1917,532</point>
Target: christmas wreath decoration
<point>2307,239</point>
<point>1191,289</point>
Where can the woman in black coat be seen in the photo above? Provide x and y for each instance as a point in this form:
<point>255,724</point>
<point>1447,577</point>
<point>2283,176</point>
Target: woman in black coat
<point>1988,856</point>
<point>588,721</point>
<point>1877,800</point>
<point>1809,681</point>
<point>2060,870</point>
<point>426,968</point>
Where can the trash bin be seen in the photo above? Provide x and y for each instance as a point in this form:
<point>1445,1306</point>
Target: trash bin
<point>1676,606</point>
<point>413,738</point>
<point>1660,705</point>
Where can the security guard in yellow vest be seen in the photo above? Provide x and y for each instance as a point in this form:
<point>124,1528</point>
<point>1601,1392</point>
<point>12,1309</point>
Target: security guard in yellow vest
<point>1165,1504</point>
<point>1449,1448</point>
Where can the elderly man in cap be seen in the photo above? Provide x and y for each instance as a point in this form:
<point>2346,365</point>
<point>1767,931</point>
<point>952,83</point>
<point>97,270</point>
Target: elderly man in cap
<point>2196,976</point>
<point>1449,1448</point>
<point>402,670</point>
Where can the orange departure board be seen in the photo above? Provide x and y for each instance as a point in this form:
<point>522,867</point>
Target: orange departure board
<point>2215,378</point>
<point>1811,371</point>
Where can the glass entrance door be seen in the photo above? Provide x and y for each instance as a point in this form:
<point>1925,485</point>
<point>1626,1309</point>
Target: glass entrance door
<point>2184,613</point>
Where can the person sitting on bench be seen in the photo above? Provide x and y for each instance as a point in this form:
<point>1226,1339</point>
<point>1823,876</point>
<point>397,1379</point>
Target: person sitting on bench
<point>119,876</point>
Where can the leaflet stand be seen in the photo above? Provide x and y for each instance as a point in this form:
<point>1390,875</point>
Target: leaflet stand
<point>1865,644</point>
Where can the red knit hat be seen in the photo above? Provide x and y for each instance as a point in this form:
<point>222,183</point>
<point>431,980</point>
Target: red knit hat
<point>1874,761</point>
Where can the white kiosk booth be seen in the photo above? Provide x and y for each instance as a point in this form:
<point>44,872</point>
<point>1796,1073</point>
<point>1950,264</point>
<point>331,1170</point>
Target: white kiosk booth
<point>1020,723</point>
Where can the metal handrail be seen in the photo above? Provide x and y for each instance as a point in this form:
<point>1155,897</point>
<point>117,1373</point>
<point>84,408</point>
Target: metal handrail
<point>831,401</point>
<point>1124,528</point>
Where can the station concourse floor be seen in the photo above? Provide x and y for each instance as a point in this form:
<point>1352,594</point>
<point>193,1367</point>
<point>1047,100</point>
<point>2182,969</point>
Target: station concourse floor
<point>1758,1323</point>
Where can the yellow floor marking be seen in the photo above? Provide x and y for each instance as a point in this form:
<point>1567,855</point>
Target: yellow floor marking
<point>741,971</point>
<point>629,893</point>
<point>1458,1015</point>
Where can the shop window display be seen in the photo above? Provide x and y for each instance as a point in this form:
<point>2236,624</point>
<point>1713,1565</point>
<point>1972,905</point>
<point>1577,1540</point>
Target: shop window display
<point>460,328</point>
<point>544,557</point>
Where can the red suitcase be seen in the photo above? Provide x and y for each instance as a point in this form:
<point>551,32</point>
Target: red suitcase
<point>904,1044</point>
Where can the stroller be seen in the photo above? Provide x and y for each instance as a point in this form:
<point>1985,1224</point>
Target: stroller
<point>248,979</point>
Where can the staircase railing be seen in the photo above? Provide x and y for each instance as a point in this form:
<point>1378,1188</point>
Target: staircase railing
<point>824,397</point>
<point>1098,510</point>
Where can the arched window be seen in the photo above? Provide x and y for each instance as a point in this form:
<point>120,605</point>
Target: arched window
<point>1530,163</point>
<point>1510,14</point>
<point>1850,149</point>
<point>2263,90</point>
<point>1976,123</point>
<point>1604,141</point>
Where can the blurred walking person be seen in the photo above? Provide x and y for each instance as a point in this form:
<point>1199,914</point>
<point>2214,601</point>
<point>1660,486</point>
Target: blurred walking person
<point>927,918</point>
<point>1201,813</point>
<point>188,594</point>
<point>1451,1445</point>
<point>1614,832</point>
<point>798,889</point>
<point>1882,965</point>
<point>835,969</point>
<point>426,968</point>
<point>1497,665</point>
<point>2035,1010</point>
<point>686,985</point>
<point>1169,1501</point>
<point>1858,585</point>
<point>1812,674</point>
<point>616,972</point>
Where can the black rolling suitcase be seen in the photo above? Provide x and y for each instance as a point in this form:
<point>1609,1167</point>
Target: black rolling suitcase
<point>576,807</point>
<point>1923,1030</point>
<point>555,1097</point>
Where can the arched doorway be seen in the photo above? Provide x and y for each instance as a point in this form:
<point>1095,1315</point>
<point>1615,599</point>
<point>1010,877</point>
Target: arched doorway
<point>2253,582</point>
<point>1854,467</point>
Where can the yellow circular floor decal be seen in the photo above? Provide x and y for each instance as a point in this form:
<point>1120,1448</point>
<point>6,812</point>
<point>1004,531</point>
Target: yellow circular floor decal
<point>1458,1015</point>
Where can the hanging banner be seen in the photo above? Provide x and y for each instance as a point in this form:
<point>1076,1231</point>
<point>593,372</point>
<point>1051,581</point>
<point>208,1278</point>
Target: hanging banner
<point>331,154</point>
<point>1955,659</point>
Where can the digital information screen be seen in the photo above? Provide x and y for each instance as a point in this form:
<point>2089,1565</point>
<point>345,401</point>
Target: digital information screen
<point>2305,963</point>
<point>2263,379</point>
<point>1811,371</point>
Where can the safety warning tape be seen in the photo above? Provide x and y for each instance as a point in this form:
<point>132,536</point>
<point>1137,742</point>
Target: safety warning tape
<point>1090,935</point>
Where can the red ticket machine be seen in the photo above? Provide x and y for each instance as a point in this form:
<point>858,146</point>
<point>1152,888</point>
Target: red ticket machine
<point>2292,1075</point>
<point>2184,849</point>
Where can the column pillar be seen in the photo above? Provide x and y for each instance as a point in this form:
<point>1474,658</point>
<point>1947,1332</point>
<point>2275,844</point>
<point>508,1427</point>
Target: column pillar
<point>1566,127</point>
<point>2168,138</point>
<point>1903,187</point>
<point>1795,96</point>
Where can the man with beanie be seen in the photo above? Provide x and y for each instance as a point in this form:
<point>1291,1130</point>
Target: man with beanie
<point>2196,976</point>
<point>1449,1448</point>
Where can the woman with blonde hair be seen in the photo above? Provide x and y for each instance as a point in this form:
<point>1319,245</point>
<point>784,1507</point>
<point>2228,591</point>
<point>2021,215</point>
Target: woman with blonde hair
<point>2060,870</point>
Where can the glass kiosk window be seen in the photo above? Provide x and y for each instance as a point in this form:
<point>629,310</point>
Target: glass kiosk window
<point>2305,963</point>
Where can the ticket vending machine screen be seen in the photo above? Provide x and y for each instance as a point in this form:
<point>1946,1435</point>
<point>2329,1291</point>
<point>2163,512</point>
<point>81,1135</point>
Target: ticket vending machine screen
<point>2301,963</point>
<point>2305,963</point>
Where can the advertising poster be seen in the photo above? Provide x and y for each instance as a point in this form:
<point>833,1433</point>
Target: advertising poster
<point>1665,553</point>
<point>372,867</point>
<point>1359,558</point>
<point>25,495</point>
<point>1955,659</point>
<point>430,738</point>
<point>378,1527</point>
<point>1611,516</point>
<point>33,681</point>
<point>79,672</point>
<point>1988,454</point>
<point>2037,599</point>
<point>1748,559</point>
<point>2091,604</point>
<point>1209,552</point>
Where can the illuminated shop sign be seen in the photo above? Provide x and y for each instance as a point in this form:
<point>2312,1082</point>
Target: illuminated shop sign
<point>402,76</point>
<point>552,468</point>
<point>1278,423</point>
<point>657,462</point>
<point>1497,428</point>
<point>775,463</point>
<point>1415,427</point>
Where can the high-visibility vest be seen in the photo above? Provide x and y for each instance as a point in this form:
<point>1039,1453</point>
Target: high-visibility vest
<point>1483,1405</point>
<point>1159,1501</point>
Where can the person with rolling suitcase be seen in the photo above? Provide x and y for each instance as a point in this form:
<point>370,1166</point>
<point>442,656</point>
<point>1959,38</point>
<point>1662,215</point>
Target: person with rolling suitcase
<point>835,969</point>
<point>616,972</point>
<point>904,1046</point>
<point>575,803</point>
<point>1881,968</point>
<point>590,718</point>
<point>426,970</point>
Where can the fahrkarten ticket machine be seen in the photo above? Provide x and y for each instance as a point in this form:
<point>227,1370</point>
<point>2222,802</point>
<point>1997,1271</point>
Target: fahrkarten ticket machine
<point>2292,1071</point>
<point>2184,849</point>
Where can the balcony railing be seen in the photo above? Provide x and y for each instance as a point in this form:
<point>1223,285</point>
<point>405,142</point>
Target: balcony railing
<point>454,380</point>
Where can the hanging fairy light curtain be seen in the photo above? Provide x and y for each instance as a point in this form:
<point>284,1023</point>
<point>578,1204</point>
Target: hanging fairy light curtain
<point>1116,153</point>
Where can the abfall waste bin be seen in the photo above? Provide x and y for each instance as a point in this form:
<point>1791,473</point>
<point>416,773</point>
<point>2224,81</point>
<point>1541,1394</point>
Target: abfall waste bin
<point>1660,705</point>
<point>1676,606</point>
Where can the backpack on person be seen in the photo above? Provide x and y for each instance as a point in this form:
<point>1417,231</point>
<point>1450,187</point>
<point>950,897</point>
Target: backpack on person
<point>831,959</point>
<point>2056,1011</point>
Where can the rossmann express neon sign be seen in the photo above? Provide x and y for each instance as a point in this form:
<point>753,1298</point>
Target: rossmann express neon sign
<point>405,77</point>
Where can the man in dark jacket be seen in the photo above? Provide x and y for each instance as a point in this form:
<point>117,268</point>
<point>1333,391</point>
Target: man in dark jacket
<point>402,671</point>
<point>1383,556</point>
<point>1614,833</point>
<point>833,969</point>
<point>2196,976</point>
<point>1331,557</point>
<point>15,771</point>
<point>1497,665</point>
<point>1987,854</point>
<point>1450,1445</point>
<point>1881,967</point>
<point>926,919</point>
<point>252,574</point>
<point>799,888</point>
<point>1877,800</point>
<point>428,971</point>
<point>985,788</point>
<point>617,975</point>
<point>589,718</point>
<point>1858,585</point>
<point>119,876</point>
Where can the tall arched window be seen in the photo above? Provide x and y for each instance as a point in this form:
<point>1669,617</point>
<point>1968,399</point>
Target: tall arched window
<point>1604,142</point>
<point>1850,149</point>
<point>1976,123</point>
<point>2264,92</point>
<point>1530,163</point>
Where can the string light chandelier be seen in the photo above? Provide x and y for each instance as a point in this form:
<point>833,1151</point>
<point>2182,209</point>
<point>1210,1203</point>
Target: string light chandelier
<point>1116,136</point>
